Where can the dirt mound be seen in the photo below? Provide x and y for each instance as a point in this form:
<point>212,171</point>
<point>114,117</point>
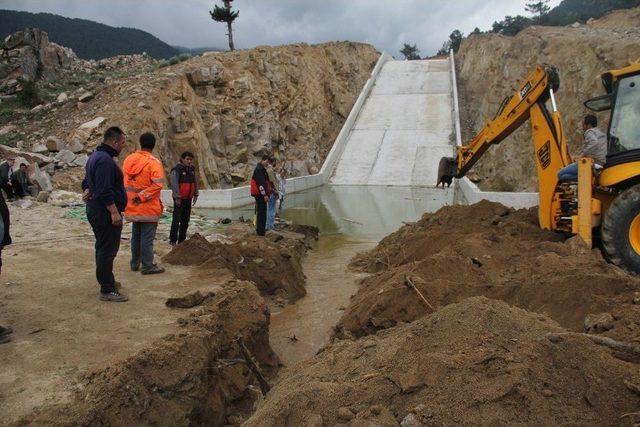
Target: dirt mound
<point>478,362</point>
<point>188,378</point>
<point>487,249</point>
<point>274,264</point>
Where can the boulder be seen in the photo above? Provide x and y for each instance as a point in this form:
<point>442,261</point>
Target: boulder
<point>65,198</point>
<point>41,178</point>
<point>86,97</point>
<point>81,160</point>
<point>93,124</point>
<point>39,148</point>
<point>54,144</point>
<point>27,157</point>
<point>65,157</point>
<point>62,98</point>
<point>75,146</point>
<point>28,54</point>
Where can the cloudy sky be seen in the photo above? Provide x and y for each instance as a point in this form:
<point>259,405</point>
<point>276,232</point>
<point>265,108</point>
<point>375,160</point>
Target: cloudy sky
<point>384,23</point>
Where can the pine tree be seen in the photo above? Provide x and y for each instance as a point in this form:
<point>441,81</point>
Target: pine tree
<point>539,8</point>
<point>225,14</point>
<point>410,52</point>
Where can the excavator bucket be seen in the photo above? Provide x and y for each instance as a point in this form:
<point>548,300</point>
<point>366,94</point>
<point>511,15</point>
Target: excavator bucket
<point>446,171</point>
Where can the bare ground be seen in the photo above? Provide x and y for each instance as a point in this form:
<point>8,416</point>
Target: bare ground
<point>69,350</point>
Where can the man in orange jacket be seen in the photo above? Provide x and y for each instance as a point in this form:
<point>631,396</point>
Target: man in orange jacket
<point>143,181</point>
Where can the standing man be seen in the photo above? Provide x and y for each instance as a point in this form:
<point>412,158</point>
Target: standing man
<point>143,181</point>
<point>6,169</point>
<point>106,200</point>
<point>184,189</point>
<point>5,239</point>
<point>595,147</point>
<point>260,190</point>
<point>273,197</point>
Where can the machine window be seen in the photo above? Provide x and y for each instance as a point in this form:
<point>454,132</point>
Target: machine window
<point>625,119</point>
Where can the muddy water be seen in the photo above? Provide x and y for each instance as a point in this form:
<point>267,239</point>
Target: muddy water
<point>329,286</point>
<point>351,219</point>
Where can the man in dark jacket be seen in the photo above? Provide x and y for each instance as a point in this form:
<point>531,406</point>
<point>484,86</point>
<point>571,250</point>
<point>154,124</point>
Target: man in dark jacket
<point>5,224</point>
<point>20,182</point>
<point>106,199</point>
<point>6,169</point>
<point>261,179</point>
<point>184,189</point>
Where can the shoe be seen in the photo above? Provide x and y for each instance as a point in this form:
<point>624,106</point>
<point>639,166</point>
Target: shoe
<point>5,339</point>
<point>5,330</point>
<point>135,267</point>
<point>114,296</point>
<point>153,270</point>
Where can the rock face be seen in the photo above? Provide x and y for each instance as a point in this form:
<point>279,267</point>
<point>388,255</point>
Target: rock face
<point>231,108</point>
<point>491,66</point>
<point>30,56</point>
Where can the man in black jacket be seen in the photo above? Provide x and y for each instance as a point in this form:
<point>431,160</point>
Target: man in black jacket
<point>106,199</point>
<point>184,190</point>
<point>5,223</point>
<point>262,182</point>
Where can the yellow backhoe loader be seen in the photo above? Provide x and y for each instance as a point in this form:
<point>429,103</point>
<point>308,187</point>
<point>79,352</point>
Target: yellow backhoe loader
<point>604,201</point>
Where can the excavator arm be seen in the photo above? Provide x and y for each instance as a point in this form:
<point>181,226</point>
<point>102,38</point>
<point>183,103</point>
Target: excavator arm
<point>550,149</point>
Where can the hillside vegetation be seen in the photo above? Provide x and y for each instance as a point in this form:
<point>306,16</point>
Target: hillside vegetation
<point>88,39</point>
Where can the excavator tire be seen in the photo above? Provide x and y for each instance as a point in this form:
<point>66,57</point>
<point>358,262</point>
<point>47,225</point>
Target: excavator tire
<point>620,230</point>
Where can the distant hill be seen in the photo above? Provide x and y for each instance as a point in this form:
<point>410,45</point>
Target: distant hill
<point>88,39</point>
<point>570,11</point>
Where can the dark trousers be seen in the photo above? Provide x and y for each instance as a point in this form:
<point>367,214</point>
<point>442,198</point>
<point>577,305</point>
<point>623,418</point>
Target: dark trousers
<point>261,216</point>
<point>142,236</point>
<point>180,221</point>
<point>6,186</point>
<point>107,245</point>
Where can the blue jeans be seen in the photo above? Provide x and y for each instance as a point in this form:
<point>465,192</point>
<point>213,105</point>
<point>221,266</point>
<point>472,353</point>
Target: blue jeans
<point>142,236</point>
<point>568,173</point>
<point>271,211</point>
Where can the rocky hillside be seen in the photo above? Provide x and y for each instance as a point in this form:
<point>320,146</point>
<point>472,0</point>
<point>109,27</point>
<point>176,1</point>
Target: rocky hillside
<point>227,108</point>
<point>499,63</point>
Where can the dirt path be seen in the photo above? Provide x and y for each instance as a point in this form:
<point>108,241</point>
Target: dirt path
<point>48,294</point>
<point>329,286</point>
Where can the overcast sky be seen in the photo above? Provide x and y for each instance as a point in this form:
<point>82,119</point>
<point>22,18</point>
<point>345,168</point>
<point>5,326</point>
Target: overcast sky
<point>384,23</point>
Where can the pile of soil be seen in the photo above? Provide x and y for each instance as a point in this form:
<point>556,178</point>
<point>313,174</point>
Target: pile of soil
<point>490,250</point>
<point>477,362</point>
<point>192,377</point>
<point>274,264</point>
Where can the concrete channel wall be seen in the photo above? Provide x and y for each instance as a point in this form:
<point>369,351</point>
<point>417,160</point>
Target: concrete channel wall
<point>466,191</point>
<point>239,196</point>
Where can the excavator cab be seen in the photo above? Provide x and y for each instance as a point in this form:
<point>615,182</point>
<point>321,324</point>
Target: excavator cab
<point>617,186</point>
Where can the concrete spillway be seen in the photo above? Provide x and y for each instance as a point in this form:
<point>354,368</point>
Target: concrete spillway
<point>403,129</point>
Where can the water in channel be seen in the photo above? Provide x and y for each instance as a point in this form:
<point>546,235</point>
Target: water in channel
<point>351,219</point>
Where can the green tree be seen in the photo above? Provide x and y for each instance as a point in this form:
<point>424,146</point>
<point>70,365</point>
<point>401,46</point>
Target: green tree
<point>225,14</point>
<point>539,8</point>
<point>410,52</point>
<point>456,39</point>
<point>476,31</point>
<point>512,25</point>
